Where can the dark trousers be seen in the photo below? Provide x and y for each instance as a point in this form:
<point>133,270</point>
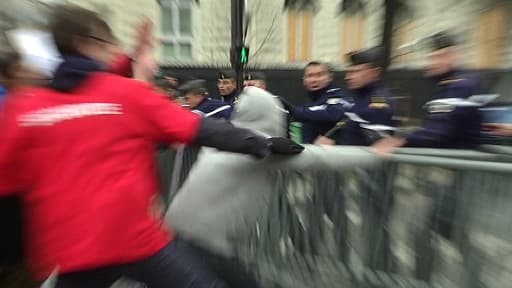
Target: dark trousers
<point>174,266</point>
<point>231,270</point>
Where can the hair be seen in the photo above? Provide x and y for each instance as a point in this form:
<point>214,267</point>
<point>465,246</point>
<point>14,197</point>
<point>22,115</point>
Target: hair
<point>8,58</point>
<point>70,22</point>
<point>326,65</point>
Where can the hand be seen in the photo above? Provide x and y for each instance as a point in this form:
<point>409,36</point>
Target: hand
<point>322,140</point>
<point>387,146</point>
<point>144,38</point>
<point>145,66</point>
<point>280,145</point>
<point>499,129</point>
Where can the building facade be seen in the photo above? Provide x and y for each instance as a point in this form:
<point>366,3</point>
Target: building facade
<point>199,32</point>
<point>293,37</point>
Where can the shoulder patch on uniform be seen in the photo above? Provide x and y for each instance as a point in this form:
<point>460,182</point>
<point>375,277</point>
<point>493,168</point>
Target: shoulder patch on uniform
<point>379,105</point>
<point>378,102</point>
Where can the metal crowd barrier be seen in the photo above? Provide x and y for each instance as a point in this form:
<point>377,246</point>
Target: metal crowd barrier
<point>422,218</point>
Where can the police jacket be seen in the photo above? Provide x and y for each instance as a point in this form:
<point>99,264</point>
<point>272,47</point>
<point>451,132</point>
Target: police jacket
<point>318,116</point>
<point>450,122</point>
<point>372,104</point>
<point>213,108</point>
<point>232,98</point>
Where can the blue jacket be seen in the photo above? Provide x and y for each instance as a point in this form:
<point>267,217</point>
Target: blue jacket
<point>214,108</point>
<point>318,116</point>
<point>372,103</point>
<point>231,99</point>
<point>451,125</point>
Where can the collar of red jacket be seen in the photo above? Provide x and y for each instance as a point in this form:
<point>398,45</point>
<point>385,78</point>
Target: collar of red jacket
<point>73,71</point>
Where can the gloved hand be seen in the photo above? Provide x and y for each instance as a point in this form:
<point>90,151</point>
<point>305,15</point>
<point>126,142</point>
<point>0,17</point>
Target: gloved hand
<point>285,146</point>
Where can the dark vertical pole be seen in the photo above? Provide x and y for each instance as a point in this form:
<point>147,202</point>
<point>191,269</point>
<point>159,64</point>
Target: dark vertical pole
<point>237,39</point>
<point>387,35</point>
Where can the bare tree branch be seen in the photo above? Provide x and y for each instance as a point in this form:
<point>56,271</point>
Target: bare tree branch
<point>219,47</point>
<point>269,34</point>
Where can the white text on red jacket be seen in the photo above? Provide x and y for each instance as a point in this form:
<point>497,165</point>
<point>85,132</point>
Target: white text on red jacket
<point>53,115</point>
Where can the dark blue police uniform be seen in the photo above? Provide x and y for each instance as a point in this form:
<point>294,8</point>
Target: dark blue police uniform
<point>208,107</point>
<point>451,123</point>
<point>214,108</point>
<point>231,99</point>
<point>326,108</point>
<point>373,104</point>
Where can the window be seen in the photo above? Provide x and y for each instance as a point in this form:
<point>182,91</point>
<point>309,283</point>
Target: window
<point>353,33</point>
<point>491,37</point>
<point>299,35</point>
<point>177,29</point>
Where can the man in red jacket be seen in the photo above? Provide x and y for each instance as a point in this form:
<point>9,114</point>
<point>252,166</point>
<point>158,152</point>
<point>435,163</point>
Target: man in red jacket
<point>82,153</point>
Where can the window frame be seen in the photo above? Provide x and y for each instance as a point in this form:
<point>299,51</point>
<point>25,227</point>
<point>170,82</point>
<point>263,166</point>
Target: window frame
<point>175,37</point>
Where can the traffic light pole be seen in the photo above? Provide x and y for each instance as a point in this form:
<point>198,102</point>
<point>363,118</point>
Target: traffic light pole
<point>237,40</point>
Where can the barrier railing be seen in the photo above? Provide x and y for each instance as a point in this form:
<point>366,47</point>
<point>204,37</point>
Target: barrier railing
<point>422,218</point>
<point>413,221</point>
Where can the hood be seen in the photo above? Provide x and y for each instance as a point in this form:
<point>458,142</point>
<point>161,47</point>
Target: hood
<point>260,111</point>
<point>73,71</point>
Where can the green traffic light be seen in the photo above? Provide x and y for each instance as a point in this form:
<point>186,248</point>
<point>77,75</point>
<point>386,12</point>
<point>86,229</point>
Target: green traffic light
<point>244,55</point>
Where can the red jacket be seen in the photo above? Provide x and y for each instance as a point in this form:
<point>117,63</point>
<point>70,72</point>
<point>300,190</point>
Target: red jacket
<point>86,162</point>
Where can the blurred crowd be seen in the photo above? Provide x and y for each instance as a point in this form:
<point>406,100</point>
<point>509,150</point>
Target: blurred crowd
<point>80,127</point>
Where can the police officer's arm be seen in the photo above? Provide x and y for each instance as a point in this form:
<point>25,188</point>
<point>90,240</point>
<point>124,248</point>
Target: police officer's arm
<point>440,132</point>
<point>164,121</point>
<point>429,137</point>
<point>320,113</point>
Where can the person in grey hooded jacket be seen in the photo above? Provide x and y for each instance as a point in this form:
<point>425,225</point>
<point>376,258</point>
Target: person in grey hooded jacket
<point>222,201</point>
<point>213,215</point>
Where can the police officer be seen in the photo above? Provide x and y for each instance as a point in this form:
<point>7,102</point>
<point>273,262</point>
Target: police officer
<point>371,104</point>
<point>258,79</point>
<point>372,101</point>
<point>449,123</point>
<point>228,87</point>
<point>326,105</point>
<point>196,97</point>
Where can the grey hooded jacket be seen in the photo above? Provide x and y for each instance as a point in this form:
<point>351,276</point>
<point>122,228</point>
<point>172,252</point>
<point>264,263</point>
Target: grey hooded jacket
<point>226,193</point>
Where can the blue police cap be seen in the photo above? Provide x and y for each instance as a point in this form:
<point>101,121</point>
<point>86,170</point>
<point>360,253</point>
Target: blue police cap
<point>442,40</point>
<point>255,76</point>
<point>374,56</point>
<point>197,86</point>
<point>229,74</point>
